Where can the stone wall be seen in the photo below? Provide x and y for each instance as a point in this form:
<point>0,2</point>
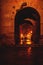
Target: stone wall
<point>8,11</point>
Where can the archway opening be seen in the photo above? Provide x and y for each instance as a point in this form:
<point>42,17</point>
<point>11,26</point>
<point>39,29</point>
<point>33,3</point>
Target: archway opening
<point>26,31</point>
<point>27,26</point>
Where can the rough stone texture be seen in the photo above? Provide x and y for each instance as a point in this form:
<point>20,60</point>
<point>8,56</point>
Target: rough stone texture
<point>8,11</point>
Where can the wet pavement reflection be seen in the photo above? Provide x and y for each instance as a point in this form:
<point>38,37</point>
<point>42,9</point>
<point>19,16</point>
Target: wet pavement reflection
<point>21,56</point>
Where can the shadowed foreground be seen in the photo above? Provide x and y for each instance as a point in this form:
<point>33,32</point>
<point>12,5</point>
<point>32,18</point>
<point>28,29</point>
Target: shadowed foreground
<point>21,55</point>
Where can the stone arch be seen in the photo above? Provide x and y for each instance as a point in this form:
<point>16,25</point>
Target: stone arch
<point>24,14</point>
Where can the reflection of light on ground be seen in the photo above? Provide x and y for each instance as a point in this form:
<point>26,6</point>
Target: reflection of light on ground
<point>29,51</point>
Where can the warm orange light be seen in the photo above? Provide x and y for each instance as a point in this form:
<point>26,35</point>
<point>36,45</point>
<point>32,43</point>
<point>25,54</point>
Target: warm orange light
<point>21,35</point>
<point>27,40</point>
<point>29,35</point>
<point>29,51</point>
<point>21,42</point>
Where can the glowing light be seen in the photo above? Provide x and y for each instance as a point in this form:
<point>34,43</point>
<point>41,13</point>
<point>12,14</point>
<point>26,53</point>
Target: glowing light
<point>28,42</point>
<point>21,42</point>
<point>29,35</point>
<point>27,39</point>
<point>21,35</point>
